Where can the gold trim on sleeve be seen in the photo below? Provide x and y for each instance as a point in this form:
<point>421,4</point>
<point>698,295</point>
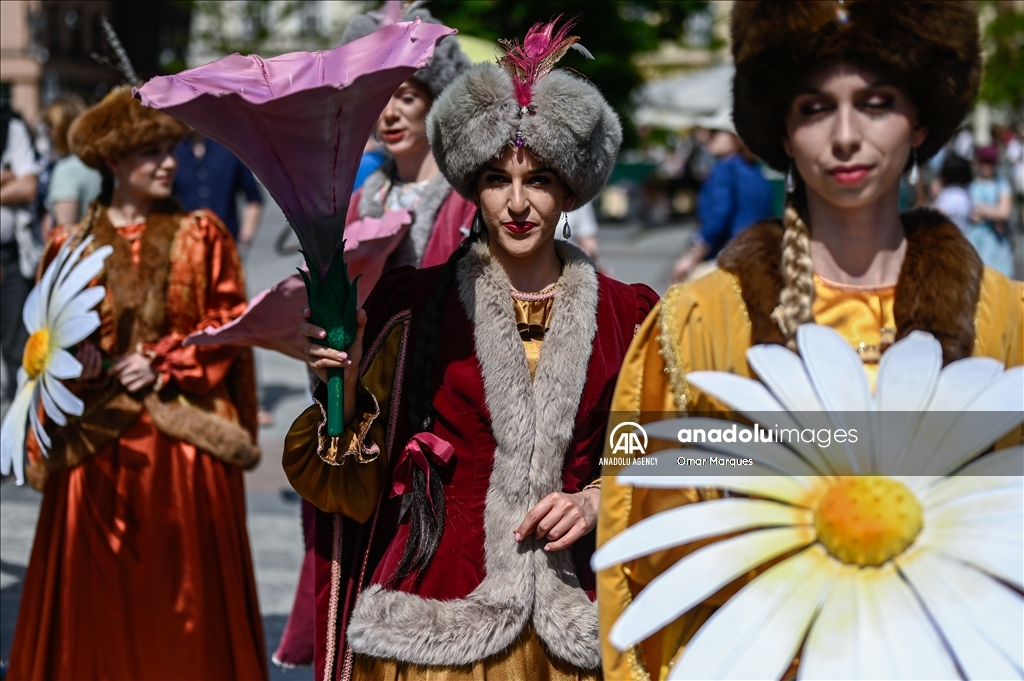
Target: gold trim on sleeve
<point>675,369</point>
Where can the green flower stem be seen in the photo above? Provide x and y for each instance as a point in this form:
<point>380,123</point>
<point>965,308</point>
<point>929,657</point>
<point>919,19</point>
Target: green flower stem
<point>335,396</point>
<point>332,306</point>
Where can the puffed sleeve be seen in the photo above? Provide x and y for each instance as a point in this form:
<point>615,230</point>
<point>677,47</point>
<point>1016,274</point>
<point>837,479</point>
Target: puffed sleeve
<point>346,474</point>
<point>206,288</point>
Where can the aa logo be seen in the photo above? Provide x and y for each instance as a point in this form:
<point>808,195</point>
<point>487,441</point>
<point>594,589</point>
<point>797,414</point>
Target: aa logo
<point>626,439</point>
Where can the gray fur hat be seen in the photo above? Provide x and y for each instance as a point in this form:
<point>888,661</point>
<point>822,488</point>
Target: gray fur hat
<point>448,62</point>
<point>569,126</point>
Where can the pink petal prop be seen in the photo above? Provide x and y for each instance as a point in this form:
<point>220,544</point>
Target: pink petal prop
<point>272,315</point>
<point>269,321</point>
<point>299,121</point>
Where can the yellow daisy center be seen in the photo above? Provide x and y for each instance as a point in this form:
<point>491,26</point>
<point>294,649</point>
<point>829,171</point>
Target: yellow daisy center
<point>867,520</point>
<point>37,352</point>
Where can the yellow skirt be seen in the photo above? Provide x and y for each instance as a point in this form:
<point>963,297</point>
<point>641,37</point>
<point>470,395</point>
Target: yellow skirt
<point>525,660</point>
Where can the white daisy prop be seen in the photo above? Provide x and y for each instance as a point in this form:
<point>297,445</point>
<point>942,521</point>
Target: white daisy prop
<point>58,314</point>
<point>909,547</point>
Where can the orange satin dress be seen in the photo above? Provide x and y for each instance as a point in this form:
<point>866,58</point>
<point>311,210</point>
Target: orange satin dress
<point>141,566</point>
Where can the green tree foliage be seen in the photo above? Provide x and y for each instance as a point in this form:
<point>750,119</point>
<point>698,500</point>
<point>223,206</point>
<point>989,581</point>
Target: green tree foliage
<point>1003,81</point>
<point>613,31</point>
<point>258,20</point>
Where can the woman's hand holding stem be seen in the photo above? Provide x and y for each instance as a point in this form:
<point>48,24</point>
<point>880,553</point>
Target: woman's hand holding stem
<point>320,358</point>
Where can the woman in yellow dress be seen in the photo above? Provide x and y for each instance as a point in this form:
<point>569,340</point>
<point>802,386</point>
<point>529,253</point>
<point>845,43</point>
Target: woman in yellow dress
<point>844,97</point>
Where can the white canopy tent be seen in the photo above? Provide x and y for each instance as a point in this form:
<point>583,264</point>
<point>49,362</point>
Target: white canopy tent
<point>680,101</point>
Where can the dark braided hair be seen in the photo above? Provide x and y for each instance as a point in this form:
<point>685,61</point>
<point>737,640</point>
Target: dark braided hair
<point>426,524</point>
<point>107,188</point>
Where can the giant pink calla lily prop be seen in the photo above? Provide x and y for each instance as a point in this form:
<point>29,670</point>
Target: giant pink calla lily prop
<point>299,122</point>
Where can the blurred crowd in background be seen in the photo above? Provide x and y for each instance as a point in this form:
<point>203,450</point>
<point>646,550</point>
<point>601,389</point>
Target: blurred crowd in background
<point>662,64</point>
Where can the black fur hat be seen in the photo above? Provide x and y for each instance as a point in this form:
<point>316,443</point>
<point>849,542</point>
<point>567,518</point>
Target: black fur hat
<point>930,47</point>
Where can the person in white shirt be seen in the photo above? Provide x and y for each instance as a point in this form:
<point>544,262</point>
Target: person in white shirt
<point>953,199</point>
<point>19,244</point>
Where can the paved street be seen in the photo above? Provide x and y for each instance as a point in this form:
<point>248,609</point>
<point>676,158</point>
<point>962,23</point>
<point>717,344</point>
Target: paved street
<point>631,254</point>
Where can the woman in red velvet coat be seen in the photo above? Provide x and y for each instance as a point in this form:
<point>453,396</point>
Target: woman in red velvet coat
<point>465,478</point>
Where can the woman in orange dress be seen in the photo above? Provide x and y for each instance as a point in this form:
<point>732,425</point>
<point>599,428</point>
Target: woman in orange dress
<point>141,566</point>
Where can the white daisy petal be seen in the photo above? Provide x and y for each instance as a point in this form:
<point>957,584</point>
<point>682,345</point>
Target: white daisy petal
<point>982,620</point>
<point>830,363</point>
<point>786,377</point>
<point>782,488</point>
<point>49,405</point>
<point>33,313</point>
<point>63,365</point>
<point>37,427</point>
<point>757,633</point>
<point>703,573</point>
<point>695,521</point>
<point>838,377</point>
<point>961,381</point>
<point>784,374</point>
<point>75,328</point>
<point>766,453</point>
<point>745,395</point>
<point>66,401</point>
<point>907,378</point>
<point>830,651</point>
<point>996,552</point>
<point>37,305</point>
<point>908,373</point>
<point>86,300</point>
<point>1005,462</point>
<point>71,257</point>
<point>12,433</point>
<point>902,631</point>
<point>997,409</point>
<point>978,506</point>
<point>752,399</point>
<point>945,490</point>
<point>84,272</point>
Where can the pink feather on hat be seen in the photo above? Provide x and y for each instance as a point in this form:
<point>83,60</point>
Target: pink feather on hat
<point>537,55</point>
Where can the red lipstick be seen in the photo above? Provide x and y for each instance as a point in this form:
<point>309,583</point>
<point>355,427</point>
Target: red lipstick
<point>519,227</point>
<point>850,174</point>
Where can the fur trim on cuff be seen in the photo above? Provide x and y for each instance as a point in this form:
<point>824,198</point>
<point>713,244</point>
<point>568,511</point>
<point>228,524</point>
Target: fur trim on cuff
<point>572,129</point>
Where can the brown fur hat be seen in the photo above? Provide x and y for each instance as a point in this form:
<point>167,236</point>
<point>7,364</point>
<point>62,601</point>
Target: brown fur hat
<point>929,47</point>
<point>118,125</point>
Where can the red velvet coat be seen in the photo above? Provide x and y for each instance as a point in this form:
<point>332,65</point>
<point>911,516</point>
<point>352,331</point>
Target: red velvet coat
<point>353,557</point>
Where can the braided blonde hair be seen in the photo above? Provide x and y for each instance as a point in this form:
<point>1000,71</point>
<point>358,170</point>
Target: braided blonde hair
<point>797,293</point>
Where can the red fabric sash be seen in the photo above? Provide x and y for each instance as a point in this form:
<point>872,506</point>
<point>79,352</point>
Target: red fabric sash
<point>421,448</point>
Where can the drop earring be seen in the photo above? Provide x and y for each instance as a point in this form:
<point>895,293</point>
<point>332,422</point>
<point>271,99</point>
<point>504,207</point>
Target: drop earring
<point>914,174</point>
<point>478,223</point>
<point>790,183</point>
<point>566,230</point>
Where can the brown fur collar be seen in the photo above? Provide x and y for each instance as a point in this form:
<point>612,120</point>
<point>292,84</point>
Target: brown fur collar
<point>937,291</point>
<point>138,293</point>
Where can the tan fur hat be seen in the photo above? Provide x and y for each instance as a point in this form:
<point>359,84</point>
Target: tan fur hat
<point>929,47</point>
<point>118,125</point>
